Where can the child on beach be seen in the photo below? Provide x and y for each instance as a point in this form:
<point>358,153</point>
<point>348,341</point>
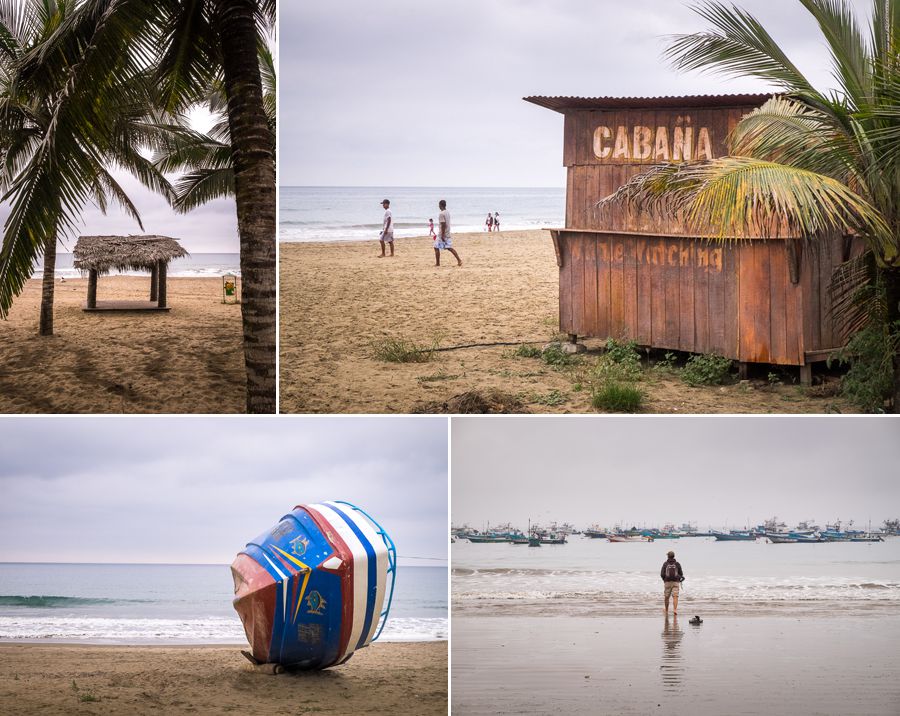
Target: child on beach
<point>431,230</point>
<point>489,222</point>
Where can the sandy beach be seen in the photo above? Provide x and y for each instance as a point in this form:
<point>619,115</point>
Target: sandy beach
<point>643,665</point>
<point>187,360</point>
<point>395,678</point>
<point>337,301</point>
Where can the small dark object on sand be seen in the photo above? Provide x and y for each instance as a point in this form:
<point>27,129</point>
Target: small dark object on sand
<point>475,402</point>
<point>695,620</point>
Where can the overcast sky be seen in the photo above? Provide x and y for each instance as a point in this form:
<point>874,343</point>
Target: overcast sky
<point>195,490</point>
<point>409,93</point>
<point>651,470</point>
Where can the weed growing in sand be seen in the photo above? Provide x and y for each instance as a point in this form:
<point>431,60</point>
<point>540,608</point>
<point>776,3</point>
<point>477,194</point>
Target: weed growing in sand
<point>527,351</point>
<point>622,352</point>
<point>400,350</point>
<point>555,356</point>
<point>615,397</point>
<point>667,364</point>
<point>87,697</point>
<point>553,398</point>
<point>434,377</point>
<point>706,369</point>
<point>870,355</point>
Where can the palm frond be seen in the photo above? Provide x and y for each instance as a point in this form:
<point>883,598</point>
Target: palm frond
<point>855,298</point>
<point>738,196</point>
<point>201,186</point>
<point>737,46</point>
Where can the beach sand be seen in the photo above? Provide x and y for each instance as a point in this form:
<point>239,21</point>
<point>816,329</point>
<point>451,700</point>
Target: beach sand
<point>639,665</point>
<point>188,360</point>
<point>389,678</point>
<point>337,299</point>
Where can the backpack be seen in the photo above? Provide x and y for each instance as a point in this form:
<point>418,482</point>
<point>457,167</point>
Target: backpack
<point>671,572</point>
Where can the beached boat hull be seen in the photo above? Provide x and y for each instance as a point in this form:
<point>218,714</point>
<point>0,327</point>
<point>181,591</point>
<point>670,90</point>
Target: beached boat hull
<point>734,538</point>
<point>315,587</point>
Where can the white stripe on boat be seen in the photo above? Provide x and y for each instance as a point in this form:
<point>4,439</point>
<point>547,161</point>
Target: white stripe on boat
<point>381,562</point>
<point>360,573</point>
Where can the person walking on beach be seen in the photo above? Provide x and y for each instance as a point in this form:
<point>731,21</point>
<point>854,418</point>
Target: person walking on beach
<point>387,231</point>
<point>496,221</point>
<point>444,240</point>
<point>672,577</point>
<point>489,222</point>
<point>431,233</point>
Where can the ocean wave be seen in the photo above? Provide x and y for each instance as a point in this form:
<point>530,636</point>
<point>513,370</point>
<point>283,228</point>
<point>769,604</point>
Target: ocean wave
<point>55,602</point>
<point>227,630</point>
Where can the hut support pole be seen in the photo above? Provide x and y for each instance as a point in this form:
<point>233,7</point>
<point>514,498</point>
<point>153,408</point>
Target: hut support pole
<point>806,375</point>
<point>573,338</point>
<point>92,289</point>
<point>742,369</point>
<point>161,271</point>
<point>154,283</point>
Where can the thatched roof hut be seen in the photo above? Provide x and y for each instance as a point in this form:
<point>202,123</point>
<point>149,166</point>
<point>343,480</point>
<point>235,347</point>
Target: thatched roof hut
<point>136,253</point>
<point>100,254</point>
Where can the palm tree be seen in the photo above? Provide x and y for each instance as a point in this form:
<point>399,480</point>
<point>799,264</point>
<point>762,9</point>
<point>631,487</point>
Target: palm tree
<point>186,45</point>
<point>809,160</point>
<point>206,158</point>
<point>58,136</point>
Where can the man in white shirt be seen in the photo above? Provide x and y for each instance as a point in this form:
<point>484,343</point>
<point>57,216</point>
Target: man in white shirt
<point>387,230</point>
<point>444,240</point>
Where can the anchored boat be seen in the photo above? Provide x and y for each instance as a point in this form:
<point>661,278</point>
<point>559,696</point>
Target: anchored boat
<point>315,587</point>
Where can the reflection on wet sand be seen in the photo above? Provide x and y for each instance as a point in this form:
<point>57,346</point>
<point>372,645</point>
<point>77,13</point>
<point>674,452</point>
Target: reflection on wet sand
<point>671,668</point>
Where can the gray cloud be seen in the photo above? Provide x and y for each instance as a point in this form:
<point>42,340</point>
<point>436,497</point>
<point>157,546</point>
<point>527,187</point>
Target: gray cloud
<point>407,93</point>
<point>195,490</point>
<point>652,470</point>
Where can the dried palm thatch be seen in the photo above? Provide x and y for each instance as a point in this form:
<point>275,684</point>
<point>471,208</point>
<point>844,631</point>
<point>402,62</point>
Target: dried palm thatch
<point>104,253</point>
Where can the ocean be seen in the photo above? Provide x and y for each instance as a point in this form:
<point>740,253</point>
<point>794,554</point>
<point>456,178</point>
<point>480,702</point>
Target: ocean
<point>172,604</point>
<point>195,265</point>
<point>355,213</point>
<point>595,577</point>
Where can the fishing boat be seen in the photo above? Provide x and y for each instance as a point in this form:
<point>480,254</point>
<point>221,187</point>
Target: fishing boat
<point>793,538</point>
<point>315,587</point>
<point>489,538</point>
<point>627,538</point>
<point>734,536</point>
<point>595,532</point>
<point>533,539</point>
<point>866,538</point>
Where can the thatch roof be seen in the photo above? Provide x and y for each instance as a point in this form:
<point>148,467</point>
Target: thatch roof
<point>104,253</point>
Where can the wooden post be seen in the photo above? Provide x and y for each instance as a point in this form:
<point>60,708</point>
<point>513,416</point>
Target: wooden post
<point>92,289</point>
<point>161,270</point>
<point>154,282</point>
<point>573,338</point>
<point>743,368</point>
<point>806,375</point>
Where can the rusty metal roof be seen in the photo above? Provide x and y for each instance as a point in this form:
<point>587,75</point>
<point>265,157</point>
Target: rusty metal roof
<point>562,104</point>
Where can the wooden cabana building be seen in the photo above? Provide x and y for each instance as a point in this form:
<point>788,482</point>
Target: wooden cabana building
<point>631,276</point>
<point>100,254</point>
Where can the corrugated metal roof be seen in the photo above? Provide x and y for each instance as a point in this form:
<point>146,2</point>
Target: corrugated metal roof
<point>561,104</point>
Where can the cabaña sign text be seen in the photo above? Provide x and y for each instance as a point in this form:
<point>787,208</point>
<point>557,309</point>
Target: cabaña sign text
<point>679,143</point>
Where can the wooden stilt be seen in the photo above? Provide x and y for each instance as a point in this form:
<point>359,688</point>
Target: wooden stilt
<point>161,272</point>
<point>743,369</point>
<point>573,338</point>
<point>806,374</point>
<point>92,289</point>
<point>154,283</point>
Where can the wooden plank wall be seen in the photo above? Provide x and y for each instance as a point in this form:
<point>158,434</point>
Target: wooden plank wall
<point>689,295</point>
<point>681,293</point>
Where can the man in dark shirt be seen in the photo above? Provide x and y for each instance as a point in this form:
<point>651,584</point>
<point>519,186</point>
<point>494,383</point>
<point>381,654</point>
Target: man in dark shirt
<point>672,577</point>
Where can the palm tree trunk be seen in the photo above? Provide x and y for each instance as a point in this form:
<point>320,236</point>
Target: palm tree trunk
<point>48,286</point>
<point>253,149</point>
<point>892,291</point>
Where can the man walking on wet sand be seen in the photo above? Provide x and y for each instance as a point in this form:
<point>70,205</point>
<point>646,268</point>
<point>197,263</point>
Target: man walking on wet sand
<point>672,577</point>
<point>387,228</point>
<point>444,240</point>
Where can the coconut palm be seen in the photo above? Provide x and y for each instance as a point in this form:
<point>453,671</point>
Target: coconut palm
<point>205,158</point>
<point>186,45</point>
<point>808,161</point>
<point>57,142</point>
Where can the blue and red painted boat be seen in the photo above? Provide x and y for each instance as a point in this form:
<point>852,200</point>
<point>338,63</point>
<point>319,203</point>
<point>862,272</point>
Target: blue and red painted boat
<point>315,587</point>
